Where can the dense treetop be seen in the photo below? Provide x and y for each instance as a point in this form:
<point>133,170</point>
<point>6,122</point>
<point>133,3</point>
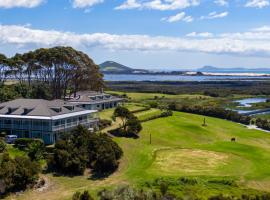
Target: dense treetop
<point>62,69</point>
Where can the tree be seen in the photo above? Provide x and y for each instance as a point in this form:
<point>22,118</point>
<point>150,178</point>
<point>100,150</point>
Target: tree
<point>124,114</point>
<point>36,150</point>
<point>133,125</point>
<point>81,149</point>
<point>4,68</point>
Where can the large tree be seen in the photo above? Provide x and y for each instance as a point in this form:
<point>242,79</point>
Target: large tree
<point>62,69</point>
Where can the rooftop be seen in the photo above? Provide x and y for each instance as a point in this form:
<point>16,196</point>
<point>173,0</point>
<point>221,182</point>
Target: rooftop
<point>39,107</point>
<point>91,96</point>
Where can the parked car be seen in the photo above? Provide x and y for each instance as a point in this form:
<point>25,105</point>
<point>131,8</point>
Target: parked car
<point>10,139</point>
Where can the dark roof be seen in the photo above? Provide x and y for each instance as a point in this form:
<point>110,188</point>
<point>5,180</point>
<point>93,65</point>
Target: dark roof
<point>38,107</point>
<point>92,97</point>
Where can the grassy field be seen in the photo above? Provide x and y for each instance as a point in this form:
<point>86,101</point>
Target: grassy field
<point>107,114</point>
<point>181,146</point>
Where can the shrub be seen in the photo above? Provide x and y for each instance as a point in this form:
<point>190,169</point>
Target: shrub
<point>16,174</point>
<point>141,110</point>
<point>23,143</point>
<point>161,115</point>
<point>76,151</point>
<point>34,147</point>
<point>103,123</point>
<point>84,196</point>
<point>2,146</point>
<point>133,125</point>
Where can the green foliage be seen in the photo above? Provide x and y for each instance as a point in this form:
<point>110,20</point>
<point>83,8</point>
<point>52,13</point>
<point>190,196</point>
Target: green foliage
<point>82,196</point>
<point>40,91</point>
<point>3,146</point>
<point>34,147</point>
<point>130,123</point>
<point>163,188</point>
<point>216,112</point>
<point>73,70</point>
<point>128,193</point>
<point>133,125</point>
<point>16,174</point>
<point>103,123</point>
<point>81,148</point>
<point>36,150</point>
<point>8,93</point>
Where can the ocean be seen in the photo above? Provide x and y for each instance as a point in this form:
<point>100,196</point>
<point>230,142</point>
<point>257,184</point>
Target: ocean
<point>146,77</point>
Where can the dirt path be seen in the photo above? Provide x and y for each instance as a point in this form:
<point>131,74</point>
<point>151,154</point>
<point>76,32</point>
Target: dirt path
<point>115,124</point>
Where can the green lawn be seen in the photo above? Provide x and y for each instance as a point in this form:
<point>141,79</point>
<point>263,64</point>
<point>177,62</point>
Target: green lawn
<point>181,146</point>
<point>143,96</point>
<point>107,114</point>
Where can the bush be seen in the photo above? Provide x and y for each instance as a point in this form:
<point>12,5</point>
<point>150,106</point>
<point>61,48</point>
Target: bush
<point>2,146</point>
<point>217,112</point>
<point>82,196</point>
<point>81,149</point>
<point>34,147</point>
<point>16,174</point>
<point>141,110</point>
<point>23,143</point>
<point>104,123</point>
<point>161,115</point>
<point>134,126</point>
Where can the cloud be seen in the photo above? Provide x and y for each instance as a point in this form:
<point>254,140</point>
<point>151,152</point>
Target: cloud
<point>203,34</point>
<point>85,3</point>
<point>20,3</point>
<point>158,4</point>
<point>214,15</point>
<point>178,17</point>
<point>257,3</point>
<point>262,29</point>
<point>249,43</point>
<point>129,4</point>
<point>221,2</point>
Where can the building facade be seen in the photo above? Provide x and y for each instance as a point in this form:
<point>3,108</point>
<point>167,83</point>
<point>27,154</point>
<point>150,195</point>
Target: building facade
<point>46,120</point>
<point>94,100</point>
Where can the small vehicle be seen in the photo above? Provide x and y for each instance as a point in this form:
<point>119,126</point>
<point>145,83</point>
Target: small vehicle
<point>10,139</point>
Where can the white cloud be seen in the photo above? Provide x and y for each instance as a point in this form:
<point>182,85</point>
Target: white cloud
<point>249,43</point>
<point>214,15</point>
<point>203,34</point>
<point>188,19</point>
<point>178,17</point>
<point>129,4</point>
<point>257,3</point>
<point>20,3</point>
<point>158,4</point>
<point>85,3</point>
<point>262,29</point>
<point>221,2</point>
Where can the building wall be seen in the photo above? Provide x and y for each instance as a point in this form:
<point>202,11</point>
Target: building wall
<point>100,106</point>
<point>48,130</point>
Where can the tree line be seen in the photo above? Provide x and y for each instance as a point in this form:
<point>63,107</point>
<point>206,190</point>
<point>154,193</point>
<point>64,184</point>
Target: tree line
<point>61,69</point>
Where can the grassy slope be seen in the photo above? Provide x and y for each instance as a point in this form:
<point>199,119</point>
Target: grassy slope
<point>248,159</point>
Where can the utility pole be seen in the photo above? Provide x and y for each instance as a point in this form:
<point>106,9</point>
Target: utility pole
<point>204,122</point>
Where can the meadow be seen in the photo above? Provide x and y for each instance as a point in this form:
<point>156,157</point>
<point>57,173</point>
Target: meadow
<point>181,149</point>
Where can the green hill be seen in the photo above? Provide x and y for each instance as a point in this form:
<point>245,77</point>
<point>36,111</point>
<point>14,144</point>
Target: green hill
<point>111,67</point>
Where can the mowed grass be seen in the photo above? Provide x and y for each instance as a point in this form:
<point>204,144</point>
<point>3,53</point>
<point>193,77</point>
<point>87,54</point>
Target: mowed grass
<point>146,96</point>
<point>180,146</point>
<point>108,113</point>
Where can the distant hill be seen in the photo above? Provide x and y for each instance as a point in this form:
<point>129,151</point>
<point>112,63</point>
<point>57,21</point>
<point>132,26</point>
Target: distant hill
<point>235,69</point>
<point>111,67</point>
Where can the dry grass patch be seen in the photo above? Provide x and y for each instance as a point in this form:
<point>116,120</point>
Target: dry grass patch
<point>190,161</point>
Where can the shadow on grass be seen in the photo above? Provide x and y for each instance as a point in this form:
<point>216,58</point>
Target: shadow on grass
<point>100,175</point>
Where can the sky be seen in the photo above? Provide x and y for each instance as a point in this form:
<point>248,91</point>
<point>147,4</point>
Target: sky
<point>149,34</point>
